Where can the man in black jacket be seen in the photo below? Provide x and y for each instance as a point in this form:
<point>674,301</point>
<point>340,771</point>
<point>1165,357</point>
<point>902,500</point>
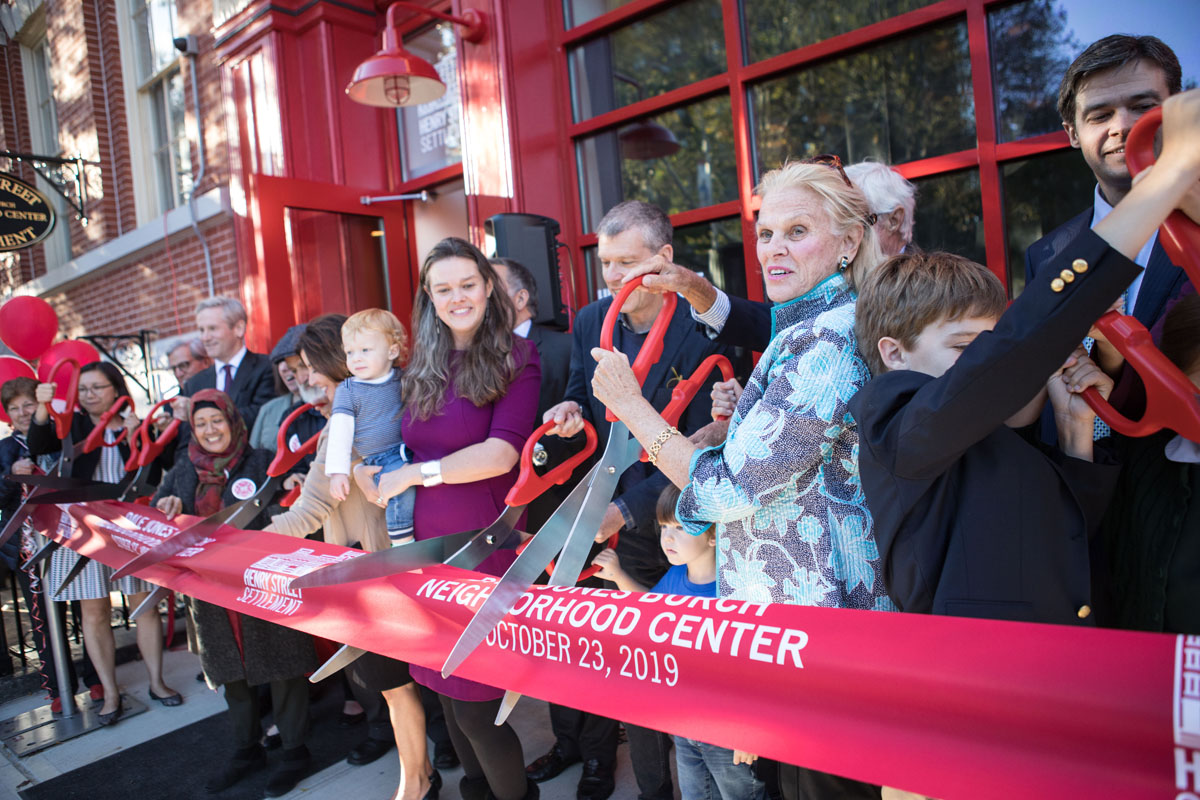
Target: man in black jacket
<point>245,376</point>
<point>629,234</point>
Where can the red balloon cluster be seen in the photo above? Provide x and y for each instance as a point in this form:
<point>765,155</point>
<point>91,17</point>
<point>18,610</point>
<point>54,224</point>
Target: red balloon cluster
<point>28,326</point>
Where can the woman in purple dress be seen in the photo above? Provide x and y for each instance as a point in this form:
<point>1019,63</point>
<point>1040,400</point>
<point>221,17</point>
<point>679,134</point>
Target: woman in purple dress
<point>470,396</point>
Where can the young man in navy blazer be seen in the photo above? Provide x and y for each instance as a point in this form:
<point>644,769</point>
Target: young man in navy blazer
<point>1103,93</point>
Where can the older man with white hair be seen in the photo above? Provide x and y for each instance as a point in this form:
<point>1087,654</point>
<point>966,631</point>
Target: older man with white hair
<point>893,201</point>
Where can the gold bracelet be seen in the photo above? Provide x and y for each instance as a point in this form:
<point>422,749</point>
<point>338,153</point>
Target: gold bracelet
<point>657,444</point>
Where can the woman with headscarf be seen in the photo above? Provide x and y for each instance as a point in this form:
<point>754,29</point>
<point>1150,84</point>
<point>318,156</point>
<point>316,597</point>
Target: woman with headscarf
<point>237,651</point>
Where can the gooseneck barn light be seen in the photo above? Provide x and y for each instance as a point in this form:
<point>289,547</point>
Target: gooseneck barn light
<point>394,77</point>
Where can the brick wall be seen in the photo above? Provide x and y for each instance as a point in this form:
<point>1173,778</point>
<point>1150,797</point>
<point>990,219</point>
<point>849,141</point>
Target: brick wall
<point>89,92</point>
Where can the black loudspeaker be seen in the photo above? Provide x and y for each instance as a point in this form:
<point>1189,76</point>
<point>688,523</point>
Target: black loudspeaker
<point>533,241</point>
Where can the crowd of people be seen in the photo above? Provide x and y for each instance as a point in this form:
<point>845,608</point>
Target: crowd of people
<point>907,441</point>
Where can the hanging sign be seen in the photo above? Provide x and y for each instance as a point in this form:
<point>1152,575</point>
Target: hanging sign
<point>26,216</point>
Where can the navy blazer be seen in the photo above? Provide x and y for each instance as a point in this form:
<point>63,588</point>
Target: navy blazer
<point>748,324</point>
<point>554,351</point>
<point>973,518</point>
<point>684,347</point>
<point>253,385</point>
<point>1161,282</point>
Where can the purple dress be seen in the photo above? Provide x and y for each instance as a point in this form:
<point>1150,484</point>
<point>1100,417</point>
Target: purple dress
<point>450,508</point>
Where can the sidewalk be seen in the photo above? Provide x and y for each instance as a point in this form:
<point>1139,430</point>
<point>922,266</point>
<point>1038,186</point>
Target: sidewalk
<point>371,782</point>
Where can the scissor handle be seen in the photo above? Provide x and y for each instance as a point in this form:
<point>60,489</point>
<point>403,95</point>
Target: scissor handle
<point>145,445</point>
<point>62,420</point>
<point>686,389</point>
<point>96,437</point>
<point>1180,236</point>
<point>1172,401</point>
<point>530,485</point>
<point>589,570</point>
<point>285,459</point>
<point>652,348</point>
<point>292,496</point>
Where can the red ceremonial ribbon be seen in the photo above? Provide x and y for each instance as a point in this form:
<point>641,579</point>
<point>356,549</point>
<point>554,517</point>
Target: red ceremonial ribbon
<point>944,706</point>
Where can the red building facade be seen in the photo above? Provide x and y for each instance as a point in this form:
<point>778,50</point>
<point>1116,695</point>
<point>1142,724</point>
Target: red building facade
<point>563,109</point>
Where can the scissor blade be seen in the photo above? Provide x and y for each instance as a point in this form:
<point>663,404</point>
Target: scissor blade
<point>47,550</point>
<point>343,658</point>
<point>83,494</point>
<point>487,541</point>
<point>248,509</point>
<point>52,481</point>
<point>14,522</point>
<point>80,563</point>
<point>392,561</point>
<point>139,486</point>
<point>506,706</point>
<point>178,543</point>
<point>152,600</point>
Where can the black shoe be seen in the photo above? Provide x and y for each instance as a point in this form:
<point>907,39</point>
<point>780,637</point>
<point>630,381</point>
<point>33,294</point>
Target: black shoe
<point>243,763</point>
<point>369,751</point>
<point>294,766</point>
<point>435,786</point>
<point>272,741</point>
<point>473,788</point>
<point>445,758</point>
<point>532,792</point>
<point>596,783</point>
<point>550,765</point>
<point>111,717</point>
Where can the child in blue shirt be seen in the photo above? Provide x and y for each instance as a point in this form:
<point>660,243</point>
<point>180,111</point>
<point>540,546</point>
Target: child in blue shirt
<point>706,772</point>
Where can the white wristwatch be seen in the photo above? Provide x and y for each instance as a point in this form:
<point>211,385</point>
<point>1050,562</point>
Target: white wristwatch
<point>431,473</point>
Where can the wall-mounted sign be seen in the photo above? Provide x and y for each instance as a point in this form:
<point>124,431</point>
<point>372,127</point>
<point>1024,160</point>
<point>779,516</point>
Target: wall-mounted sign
<point>431,133</point>
<point>26,216</point>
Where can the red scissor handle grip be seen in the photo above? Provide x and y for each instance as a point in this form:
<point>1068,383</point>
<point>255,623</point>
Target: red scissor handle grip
<point>1172,401</point>
<point>1180,236</point>
<point>653,346</point>
<point>285,459</point>
<point>62,420</point>
<point>686,389</point>
<point>292,496</point>
<point>530,485</point>
<point>144,446</point>
<point>589,570</point>
<point>96,437</point>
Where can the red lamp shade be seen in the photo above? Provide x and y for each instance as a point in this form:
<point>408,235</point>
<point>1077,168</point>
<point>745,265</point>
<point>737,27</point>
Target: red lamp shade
<point>395,77</point>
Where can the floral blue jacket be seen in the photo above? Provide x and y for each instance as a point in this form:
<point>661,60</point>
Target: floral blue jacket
<point>783,489</point>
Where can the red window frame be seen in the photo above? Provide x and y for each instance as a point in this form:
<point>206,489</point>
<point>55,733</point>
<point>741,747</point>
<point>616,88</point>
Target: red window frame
<point>987,156</point>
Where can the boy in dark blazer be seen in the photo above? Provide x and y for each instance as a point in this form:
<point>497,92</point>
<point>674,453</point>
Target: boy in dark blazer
<point>973,517</point>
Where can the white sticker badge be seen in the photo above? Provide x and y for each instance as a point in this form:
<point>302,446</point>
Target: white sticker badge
<point>244,488</point>
<point>294,443</point>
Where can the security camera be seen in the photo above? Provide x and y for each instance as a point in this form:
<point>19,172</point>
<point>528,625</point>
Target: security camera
<point>187,45</point>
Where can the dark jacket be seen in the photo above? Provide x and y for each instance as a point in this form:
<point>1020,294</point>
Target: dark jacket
<point>43,440</point>
<point>253,385</point>
<point>1162,282</point>
<point>973,518</point>
<point>12,450</point>
<point>269,651</point>
<point>1151,538</point>
<point>748,324</point>
<point>684,347</point>
<point>554,351</point>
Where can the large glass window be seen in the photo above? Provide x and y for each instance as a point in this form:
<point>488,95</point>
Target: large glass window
<point>949,214</point>
<point>900,101</point>
<point>714,249</point>
<point>1033,43</point>
<point>680,45</point>
<point>1039,195</point>
<point>577,12</point>
<point>43,130</point>
<point>678,160</point>
<point>777,26</point>
<point>431,133</point>
<point>160,86</point>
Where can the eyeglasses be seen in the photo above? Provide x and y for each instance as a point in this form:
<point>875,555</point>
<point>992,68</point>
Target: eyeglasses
<point>830,160</point>
<point>182,366</point>
<point>97,389</point>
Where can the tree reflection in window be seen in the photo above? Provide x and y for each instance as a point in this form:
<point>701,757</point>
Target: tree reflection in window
<point>777,26</point>
<point>700,173</point>
<point>900,101</point>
